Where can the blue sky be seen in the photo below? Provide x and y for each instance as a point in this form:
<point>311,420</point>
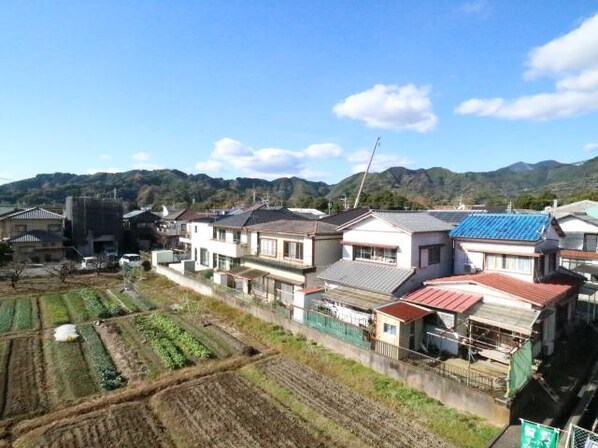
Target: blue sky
<point>281,88</point>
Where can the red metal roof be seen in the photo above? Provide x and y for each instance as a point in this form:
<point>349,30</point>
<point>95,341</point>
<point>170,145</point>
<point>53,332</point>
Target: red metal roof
<point>578,254</point>
<point>540,294</point>
<point>403,311</point>
<point>443,299</point>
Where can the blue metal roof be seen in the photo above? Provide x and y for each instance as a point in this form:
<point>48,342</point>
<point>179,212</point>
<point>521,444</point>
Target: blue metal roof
<point>511,227</point>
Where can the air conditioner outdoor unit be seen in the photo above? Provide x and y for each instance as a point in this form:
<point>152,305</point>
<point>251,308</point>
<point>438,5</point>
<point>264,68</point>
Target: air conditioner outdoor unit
<point>469,268</point>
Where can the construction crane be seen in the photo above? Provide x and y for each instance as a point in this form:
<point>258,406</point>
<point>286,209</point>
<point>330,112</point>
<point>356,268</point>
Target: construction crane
<point>366,172</point>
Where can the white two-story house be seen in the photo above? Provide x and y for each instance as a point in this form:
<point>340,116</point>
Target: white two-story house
<point>385,254</point>
<point>285,256</point>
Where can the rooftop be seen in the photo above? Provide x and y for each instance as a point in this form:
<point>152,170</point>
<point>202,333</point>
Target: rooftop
<point>37,236</point>
<point>33,213</point>
<point>357,298</point>
<point>340,218</point>
<point>258,215</point>
<point>520,320</point>
<point>511,227</point>
<point>367,276</point>
<point>410,222</point>
<point>443,299</point>
<point>540,294</point>
<point>405,312</point>
<point>296,227</point>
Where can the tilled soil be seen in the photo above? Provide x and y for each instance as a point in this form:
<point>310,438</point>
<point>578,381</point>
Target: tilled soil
<point>23,377</point>
<point>126,425</point>
<point>369,421</point>
<point>227,411</point>
<point>127,360</point>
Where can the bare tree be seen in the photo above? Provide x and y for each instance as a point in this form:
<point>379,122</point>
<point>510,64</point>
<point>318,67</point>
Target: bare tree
<point>14,272</point>
<point>63,270</point>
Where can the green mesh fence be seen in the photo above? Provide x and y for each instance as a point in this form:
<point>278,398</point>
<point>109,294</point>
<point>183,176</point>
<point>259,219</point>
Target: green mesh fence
<point>336,328</point>
<point>520,370</point>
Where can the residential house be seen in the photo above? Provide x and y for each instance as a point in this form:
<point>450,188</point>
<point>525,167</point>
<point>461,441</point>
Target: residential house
<point>285,256</point>
<point>35,235</point>
<point>510,286</point>
<point>139,230</point>
<point>220,243</point>
<point>94,224</point>
<point>386,254</point>
<point>172,227</point>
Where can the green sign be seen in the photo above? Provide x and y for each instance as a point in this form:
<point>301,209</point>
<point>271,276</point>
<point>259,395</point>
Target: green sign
<point>534,435</point>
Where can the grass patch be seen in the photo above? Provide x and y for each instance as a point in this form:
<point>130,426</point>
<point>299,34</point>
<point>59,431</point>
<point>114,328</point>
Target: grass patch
<point>99,361</point>
<point>455,427</point>
<point>126,300</point>
<point>56,311</point>
<point>70,376</point>
<point>23,319</point>
<point>94,306</point>
<point>337,435</point>
<point>76,307</point>
<point>7,313</point>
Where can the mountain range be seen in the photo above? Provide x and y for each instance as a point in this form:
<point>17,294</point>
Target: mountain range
<point>427,187</point>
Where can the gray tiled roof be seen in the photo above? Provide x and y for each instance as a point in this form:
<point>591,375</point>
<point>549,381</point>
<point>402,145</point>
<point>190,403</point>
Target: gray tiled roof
<point>368,276</point>
<point>259,216</point>
<point>296,227</point>
<point>413,222</point>
<point>37,236</point>
<point>33,213</point>
<point>453,217</point>
<point>344,217</point>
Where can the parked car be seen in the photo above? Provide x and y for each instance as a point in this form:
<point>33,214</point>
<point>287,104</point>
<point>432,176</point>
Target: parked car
<point>133,260</point>
<point>89,263</point>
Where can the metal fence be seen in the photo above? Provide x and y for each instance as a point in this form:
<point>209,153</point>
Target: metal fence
<point>581,438</point>
<point>458,374</point>
<point>337,328</point>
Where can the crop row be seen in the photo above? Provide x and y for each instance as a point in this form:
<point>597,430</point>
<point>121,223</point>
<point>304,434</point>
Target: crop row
<point>100,362</point>
<point>190,345</point>
<point>170,355</point>
<point>7,312</point>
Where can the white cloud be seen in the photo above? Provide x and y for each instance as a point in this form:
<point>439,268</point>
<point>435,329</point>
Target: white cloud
<point>572,60</point>
<point>399,108</point>
<point>209,166</point>
<point>476,7</point>
<point>268,163</point>
<point>141,156</point>
<point>147,166</point>
<point>104,170</point>
<point>105,156</point>
<point>5,178</point>
<point>323,151</point>
<point>381,161</point>
<point>591,147</point>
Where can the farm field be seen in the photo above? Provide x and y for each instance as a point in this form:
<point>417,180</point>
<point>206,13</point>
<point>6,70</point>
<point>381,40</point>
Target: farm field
<point>151,376</point>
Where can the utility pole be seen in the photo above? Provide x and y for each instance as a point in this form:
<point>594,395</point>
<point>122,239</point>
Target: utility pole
<point>366,172</point>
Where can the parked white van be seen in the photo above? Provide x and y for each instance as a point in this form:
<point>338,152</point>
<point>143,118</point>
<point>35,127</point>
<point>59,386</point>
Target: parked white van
<point>89,263</point>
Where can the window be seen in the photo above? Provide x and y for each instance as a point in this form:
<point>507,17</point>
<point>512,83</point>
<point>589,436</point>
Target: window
<point>390,330</point>
<point>513,263</point>
<point>54,228</point>
<point>183,227</point>
<point>552,262</point>
<point>237,237</point>
<point>204,256</point>
<point>195,254</point>
<point>219,234</point>
<point>434,255</point>
<point>195,229</point>
<point>268,247</point>
<point>379,254</point>
<point>293,250</point>
<point>429,255</point>
<point>590,241</point>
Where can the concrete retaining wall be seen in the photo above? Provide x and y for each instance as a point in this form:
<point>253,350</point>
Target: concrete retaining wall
<point>442,389</point>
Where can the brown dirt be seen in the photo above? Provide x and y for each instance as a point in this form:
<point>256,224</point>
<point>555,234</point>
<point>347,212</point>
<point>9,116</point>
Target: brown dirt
<point>23,394</point>
<point>41,285</point>
<point>227,411</point>
<point>127,361</point>
<point>125,425</point>
<point>368,420</point>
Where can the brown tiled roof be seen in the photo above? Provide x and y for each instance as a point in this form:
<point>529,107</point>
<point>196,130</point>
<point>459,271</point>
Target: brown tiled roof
<point>540,294</point>
<point>443,299</point>
<point>403,311</point>
<point>578,254</point>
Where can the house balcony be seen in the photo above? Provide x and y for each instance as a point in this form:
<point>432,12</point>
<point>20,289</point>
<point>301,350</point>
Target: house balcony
<point>169,232</point>
<point>289,266</point>
<point>185,239</point>
<point>229,248</point>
